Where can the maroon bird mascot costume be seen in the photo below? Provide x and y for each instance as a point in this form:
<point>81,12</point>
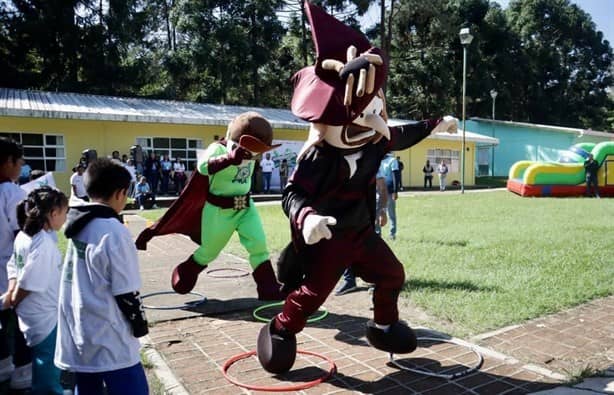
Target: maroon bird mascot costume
<point>330,199</point>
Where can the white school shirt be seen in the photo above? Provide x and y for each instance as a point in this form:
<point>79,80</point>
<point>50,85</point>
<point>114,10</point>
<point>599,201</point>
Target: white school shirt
<point>178,167</point>
<point>267,165</point>
<point>10,195</point>
<point>77,181</point>
<point>132,170</point>
<point>36,263</point>
<point>93,334</point>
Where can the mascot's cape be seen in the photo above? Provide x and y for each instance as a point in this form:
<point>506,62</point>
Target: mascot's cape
<point>183,216</point>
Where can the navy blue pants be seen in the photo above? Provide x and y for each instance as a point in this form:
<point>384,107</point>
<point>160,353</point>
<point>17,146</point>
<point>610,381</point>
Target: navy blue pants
<point>127,381</point>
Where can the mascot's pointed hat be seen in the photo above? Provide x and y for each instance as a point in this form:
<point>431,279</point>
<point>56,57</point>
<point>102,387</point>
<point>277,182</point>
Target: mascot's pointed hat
<point>318,93</point>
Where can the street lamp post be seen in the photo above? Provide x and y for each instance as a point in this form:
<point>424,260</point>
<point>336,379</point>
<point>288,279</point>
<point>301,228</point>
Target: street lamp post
<point>493,94</point>
<point>465,39</point>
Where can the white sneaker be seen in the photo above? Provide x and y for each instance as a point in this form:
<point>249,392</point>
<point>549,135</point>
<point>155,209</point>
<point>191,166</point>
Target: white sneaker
<point>6,368</point>
<point>155,206</point>
<point>22,377</point>
<point>141,208</point>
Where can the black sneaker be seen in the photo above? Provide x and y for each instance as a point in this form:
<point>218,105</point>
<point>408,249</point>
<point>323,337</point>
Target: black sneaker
<point>346,287</point>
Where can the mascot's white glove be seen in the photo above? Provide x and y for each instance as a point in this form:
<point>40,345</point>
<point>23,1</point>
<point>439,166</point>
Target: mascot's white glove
<point>448,124</point>
<point>315,228</point>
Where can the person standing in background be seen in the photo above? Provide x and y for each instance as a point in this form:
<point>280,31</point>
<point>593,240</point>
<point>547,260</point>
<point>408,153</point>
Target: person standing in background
<point>267,165</point>
<point>15,355</point>
<point>34,281</point>
<point>591,166</point>
<point>129,165</point>
<point>428,174</point>
<point>24,177</point>
<point>151,171</point>
<point>115,157</point>
<point>77,185</point>
<point>179,175</point>
<point>166,166</point>
<point>401,168</point>
<point>442,170</point>
<point>283,174</point>
<point>390,170</point>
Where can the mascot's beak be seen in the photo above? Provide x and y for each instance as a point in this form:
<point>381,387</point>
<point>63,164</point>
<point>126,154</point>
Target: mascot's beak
<point>254,145</point>
<point>377,123</point>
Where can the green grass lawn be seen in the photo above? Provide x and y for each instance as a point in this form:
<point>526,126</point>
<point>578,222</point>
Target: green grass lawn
<point>480,261</point>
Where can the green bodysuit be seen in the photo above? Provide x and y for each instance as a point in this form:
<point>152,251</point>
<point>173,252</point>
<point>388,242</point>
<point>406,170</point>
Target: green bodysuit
<point>218,224</point>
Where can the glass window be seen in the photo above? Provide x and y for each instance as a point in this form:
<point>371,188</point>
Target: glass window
<point>33,152</point>
<point>178,143</point>
<point>174,147</point>
<point>450,158</point>
<point>144,142</point>
<point>36,164</point>
<point>160,143</point>
<point>54,140</point>
<point>41,151</point>
<point>191,165</point>
<point>54,152</point>
<point>31,139</point>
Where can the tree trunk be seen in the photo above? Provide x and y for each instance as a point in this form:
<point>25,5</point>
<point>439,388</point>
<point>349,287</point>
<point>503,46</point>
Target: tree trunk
<point>304,34</point>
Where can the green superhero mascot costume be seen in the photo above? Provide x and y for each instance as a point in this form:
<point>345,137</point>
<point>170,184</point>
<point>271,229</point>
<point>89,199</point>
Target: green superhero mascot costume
<point>220,190</point>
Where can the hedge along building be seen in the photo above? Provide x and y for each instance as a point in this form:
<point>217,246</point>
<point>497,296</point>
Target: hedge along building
<point>55,128</point>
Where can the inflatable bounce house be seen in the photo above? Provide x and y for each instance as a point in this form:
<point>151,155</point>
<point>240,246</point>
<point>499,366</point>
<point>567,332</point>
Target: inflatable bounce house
<point>567,176</point>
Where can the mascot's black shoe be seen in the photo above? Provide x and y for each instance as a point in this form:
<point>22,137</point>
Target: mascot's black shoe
<point>276,351</point>
<point>185,275</point>
<point>398,339</point>
<point>266,283</point>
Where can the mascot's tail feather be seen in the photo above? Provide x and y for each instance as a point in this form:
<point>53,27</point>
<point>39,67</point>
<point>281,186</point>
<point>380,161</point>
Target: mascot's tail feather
<point>183,216</point>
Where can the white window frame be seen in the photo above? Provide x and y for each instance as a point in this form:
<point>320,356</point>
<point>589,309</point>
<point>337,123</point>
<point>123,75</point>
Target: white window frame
<point>60,161</point>
<point>450,157</point>
<point>146,143</point>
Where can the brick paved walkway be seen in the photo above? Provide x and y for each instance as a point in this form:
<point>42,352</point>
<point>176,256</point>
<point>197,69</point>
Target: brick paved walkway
<point>517,360</point>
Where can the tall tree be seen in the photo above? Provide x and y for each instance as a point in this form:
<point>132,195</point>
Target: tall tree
<point>568,63</point>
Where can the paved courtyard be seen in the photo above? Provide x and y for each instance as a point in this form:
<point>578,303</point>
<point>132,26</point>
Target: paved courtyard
<point>190,346</point>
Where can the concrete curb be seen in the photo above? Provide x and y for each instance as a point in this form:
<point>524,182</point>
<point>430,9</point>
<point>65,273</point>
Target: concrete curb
<point>164,373</point>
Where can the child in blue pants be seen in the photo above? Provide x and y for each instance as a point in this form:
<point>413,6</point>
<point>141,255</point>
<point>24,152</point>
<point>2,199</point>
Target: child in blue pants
<point>15,355</point>
<point>101,314</point>
<point>34,281</point>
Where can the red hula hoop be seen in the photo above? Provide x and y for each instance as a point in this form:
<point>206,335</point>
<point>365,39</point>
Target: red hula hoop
<point>298,387</point>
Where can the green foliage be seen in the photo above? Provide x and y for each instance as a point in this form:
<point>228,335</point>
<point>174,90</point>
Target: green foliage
<point>545,58</point>
<point>567,66</point>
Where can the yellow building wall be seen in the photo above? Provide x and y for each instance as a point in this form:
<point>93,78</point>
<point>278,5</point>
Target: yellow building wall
<point>108,136</point>
<point>414,159</point>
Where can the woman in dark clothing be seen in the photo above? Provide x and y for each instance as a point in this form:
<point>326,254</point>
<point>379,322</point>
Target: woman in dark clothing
<point>152,172</point>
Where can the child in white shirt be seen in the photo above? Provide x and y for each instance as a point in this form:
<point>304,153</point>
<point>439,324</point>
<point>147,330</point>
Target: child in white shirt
<point>15,355</point>
<point>34,281</point>
<point>100,312</point>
